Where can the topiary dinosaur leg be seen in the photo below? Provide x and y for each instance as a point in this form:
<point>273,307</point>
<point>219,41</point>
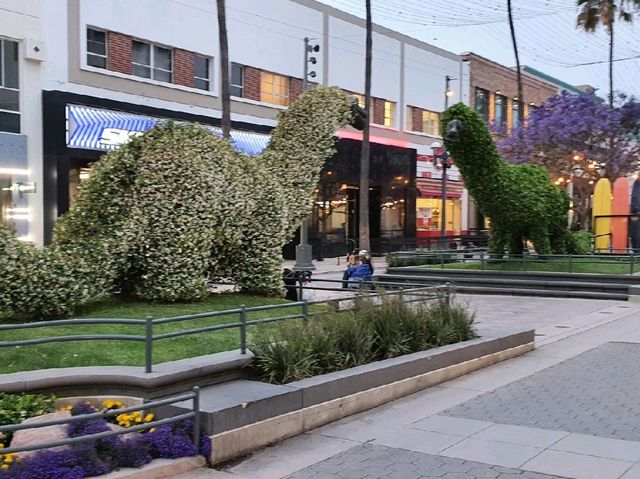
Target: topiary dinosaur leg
<point>540,240</point>
<point>497,241</point>
<point>516,245</point>
<point>559,238</point>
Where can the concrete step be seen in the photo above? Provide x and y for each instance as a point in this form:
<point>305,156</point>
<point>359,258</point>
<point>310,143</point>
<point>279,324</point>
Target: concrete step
<point>532,275</point>
<point>519,287</point>
<point>509,283</point>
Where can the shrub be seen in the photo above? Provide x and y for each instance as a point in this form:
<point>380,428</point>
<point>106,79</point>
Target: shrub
<point>15,408</point>
<point>579,242</point>
<point>368,333</point>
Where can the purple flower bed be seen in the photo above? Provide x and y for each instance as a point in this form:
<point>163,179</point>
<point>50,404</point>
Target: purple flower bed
<point>98,457</point>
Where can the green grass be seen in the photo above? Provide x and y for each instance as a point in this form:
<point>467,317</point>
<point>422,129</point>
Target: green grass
<point>129,353</point>
<point>577,265</point>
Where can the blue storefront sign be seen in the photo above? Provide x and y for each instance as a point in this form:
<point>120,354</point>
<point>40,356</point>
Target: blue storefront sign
<point>104,130</point>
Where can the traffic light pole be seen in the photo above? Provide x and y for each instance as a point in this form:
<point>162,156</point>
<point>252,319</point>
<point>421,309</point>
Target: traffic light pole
<point>304,252</point>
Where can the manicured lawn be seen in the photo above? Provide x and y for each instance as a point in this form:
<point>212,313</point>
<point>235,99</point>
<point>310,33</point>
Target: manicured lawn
<point>578,265</point>
<point>106,353</point>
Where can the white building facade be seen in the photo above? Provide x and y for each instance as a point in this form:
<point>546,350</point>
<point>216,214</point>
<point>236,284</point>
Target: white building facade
<point>21,68</point>
<point>110,70</point>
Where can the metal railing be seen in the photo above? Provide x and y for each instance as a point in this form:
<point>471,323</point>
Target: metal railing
<point>194,395</point>
<point>479,259</point>
<point>241,313</point>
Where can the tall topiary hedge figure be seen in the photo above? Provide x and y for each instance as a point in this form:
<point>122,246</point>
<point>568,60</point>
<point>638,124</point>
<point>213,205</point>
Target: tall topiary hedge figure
<point>520,200</point>
<point>171,209</point>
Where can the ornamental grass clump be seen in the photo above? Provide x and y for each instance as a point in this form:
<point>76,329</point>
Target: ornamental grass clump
<point>373,330</point>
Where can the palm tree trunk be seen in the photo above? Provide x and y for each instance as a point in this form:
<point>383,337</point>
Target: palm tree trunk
<point>364,240</point>
<point>611,65</point>
<point>225,95</point>
<point>518,72</point>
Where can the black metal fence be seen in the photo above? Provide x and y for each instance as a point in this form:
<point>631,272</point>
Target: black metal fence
<point>300,310</point>
<point>479,259</point>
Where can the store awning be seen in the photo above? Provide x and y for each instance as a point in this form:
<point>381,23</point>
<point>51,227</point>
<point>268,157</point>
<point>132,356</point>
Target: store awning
<point>98,129</point>
<point>435,193</point>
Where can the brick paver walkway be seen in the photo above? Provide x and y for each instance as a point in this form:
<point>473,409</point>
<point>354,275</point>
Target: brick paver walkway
<point>596,393</point>
<point>379,462</point>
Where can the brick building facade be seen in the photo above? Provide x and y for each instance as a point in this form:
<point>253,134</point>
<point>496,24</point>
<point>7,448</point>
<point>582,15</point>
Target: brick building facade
<point>497,85</point>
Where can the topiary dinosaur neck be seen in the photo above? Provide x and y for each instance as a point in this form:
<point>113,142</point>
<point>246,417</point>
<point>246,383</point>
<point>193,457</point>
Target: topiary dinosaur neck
<point>475,154</point>
<point>305,136</point>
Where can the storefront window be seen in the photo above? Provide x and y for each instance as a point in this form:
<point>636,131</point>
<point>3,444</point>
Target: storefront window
<point>428,217</point>
<point>501,111</point>
<point>5,202</point>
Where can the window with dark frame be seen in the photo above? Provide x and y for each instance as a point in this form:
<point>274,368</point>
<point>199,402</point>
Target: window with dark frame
<point>482,103</point>
<point>9,87</point>
<point>152,61</point>
<point>96,48</point>
<point>501,111</point>
<point>201,73</point>
<point>237,80</point>
<point>515,109</point>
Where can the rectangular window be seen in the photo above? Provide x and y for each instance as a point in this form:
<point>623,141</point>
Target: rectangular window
<point>360,99</point>
<point>274,89</point>
<point>201,73</point>
<point>9,87</point>
<point>431,123</point>
<point>237,80</point>
<point>501,111</point>
<point>152,61</point>
<point>482,103</point>
<point>389,113</point>
<point>514,113</point>
<point>96,48</point>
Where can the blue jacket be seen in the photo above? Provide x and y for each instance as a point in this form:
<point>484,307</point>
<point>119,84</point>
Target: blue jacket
<point>360,271</point>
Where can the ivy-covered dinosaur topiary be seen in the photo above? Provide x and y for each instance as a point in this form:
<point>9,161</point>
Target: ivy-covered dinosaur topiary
<point>173,208</point>
<point>520,200</point>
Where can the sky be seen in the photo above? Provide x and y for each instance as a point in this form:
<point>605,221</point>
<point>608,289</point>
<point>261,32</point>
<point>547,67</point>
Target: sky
<point>546,32</point>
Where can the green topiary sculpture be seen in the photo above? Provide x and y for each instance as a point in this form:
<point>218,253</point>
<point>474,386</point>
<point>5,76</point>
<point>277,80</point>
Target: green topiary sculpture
<point>520,200</point>
<point>175,207</point>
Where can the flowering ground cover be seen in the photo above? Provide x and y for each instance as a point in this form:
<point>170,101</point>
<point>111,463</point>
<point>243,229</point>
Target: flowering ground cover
<point>100,456</point>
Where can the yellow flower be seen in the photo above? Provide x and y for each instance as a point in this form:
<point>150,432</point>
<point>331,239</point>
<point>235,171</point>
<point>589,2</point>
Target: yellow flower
<point>8,458</point>
<point>4,467</point>
<point>149,417</point>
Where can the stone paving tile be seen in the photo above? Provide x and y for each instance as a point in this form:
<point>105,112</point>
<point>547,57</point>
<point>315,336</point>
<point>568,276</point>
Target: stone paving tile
<point>594,393</point>
<point>370,461</point>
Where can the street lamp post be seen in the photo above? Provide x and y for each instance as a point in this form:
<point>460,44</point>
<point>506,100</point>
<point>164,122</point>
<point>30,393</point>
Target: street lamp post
<point>304,252</point>
<point>442,156</point>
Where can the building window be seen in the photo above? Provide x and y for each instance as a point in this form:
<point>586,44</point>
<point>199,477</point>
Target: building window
<point>501,111</point>
<point>482,103</point>
<point>515,109</point>
<point>237,80</point>
<point>152,61</point>
<point>430,123</point>
<point>389,113</point>
<point>201,73</point>
<point>274,89</point>
<point>96,48</point>
<point>9,87</point>
<point>359,98</point>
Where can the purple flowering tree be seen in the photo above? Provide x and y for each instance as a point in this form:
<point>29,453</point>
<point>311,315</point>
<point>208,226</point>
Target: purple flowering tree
<point>579,137</point>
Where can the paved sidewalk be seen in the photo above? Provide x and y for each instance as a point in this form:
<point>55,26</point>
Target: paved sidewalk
<point>569,409</point>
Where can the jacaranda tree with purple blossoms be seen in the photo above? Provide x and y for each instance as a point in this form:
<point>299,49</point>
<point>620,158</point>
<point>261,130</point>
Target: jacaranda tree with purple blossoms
<point>582,135</point>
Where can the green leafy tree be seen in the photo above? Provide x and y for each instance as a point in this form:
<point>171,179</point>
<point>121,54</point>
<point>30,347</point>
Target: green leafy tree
<point>594,13</point>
